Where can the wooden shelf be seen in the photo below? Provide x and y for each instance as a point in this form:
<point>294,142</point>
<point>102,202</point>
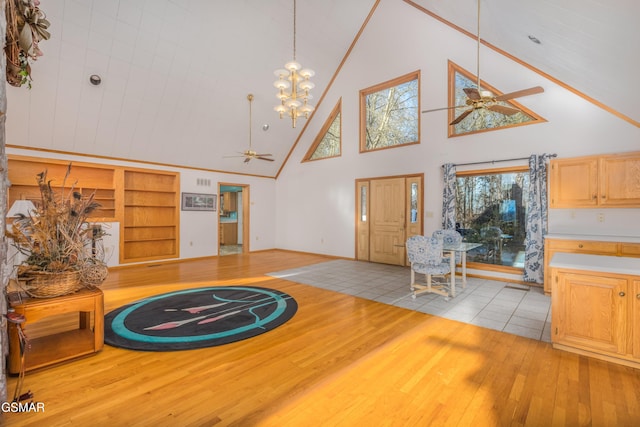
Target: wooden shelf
<point>145,202</point>
<point>158,239</point>
<point>151,215</point>
<point>84,178</point>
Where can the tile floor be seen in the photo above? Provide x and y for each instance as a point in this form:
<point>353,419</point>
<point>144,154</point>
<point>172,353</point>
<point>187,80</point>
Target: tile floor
<point>230,250</point>
<point>508,307</point>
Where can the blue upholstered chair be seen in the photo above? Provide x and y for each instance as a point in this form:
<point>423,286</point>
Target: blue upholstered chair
<point>425,256</point>
<point>449,238</point>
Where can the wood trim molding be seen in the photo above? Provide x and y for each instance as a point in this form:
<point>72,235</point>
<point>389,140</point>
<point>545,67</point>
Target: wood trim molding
<point>528,66</point>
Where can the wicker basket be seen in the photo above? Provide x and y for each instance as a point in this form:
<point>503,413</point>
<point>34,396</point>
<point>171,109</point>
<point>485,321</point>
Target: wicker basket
<point>93,274</point>
<point>43,284</point>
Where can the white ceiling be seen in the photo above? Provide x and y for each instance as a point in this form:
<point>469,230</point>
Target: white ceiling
<point>176,73</point>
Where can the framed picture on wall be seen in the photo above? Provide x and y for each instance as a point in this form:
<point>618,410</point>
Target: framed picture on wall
<point>199,202</point>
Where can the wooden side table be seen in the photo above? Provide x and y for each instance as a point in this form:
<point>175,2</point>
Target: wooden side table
<point>58,347</point>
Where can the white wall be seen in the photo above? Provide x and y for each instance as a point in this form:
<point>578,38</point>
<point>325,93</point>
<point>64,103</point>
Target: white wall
<point>316,200</point>
<point>311,206</point>
<point>198,230</point>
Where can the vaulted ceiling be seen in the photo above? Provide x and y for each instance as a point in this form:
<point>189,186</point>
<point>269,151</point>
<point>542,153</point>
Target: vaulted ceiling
<point>176,73</point>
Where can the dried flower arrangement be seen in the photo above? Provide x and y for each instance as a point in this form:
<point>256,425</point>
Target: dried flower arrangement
<point>26,27</point>
<point>59,242</point>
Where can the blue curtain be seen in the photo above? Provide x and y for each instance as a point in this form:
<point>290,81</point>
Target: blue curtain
<point>449,197</point>
<point>536,226</point>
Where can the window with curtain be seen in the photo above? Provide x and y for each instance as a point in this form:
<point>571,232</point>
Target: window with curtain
<point>491,208</point>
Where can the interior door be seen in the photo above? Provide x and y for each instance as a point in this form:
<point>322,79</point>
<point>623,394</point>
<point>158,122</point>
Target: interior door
<point>388,219</point>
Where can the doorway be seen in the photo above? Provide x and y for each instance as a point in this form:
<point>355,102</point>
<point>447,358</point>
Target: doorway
<point>389,210</point>
<point>233,219</point>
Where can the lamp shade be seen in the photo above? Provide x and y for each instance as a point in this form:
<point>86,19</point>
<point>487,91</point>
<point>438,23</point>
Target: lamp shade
<point>21,207</point>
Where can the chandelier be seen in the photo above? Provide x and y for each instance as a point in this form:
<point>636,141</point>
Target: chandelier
<point>294,85</point>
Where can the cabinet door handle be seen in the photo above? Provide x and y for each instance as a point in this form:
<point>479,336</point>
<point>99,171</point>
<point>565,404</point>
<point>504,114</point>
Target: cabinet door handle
<point>594,197</point>
<point>580,246</point>
<point>638,296</point>
<point>622,294</point>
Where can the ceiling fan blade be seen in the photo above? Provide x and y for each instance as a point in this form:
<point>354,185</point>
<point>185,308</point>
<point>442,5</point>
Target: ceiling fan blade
<point>508,111</point>
<point>247,160</point>
<point>472,93</point>
<point>262,155</point>
<point>520,93</point>
<point>264,158</point>
<point>443,108</point>
<point>461,117</point>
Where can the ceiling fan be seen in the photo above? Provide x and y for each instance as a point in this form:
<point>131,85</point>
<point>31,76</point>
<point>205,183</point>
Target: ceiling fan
<point>478,98</point>
<point>250,153</point>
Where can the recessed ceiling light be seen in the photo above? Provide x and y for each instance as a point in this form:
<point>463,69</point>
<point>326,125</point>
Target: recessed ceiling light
<point>535,39</point>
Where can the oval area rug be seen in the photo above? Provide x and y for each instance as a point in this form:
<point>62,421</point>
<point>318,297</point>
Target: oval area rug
<point>197,318</point>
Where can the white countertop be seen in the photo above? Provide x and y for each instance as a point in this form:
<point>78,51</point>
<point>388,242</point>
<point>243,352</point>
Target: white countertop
<point>227,221</point>
<point>599,263</point>
<point>594,237</point>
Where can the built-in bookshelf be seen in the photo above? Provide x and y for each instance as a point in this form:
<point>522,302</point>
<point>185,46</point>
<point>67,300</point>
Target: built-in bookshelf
<point>145,202</point>
<point>83,178</point>
<point>151,215</point>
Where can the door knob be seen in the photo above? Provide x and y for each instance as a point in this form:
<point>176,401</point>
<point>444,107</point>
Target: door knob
<point>622,294</point>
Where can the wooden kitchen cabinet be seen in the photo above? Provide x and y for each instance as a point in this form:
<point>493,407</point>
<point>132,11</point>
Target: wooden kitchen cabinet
<point>635,316</point>
<point>620,180</point>
<point>590,311</point>
<point>229,202</point>
<point>594,312</point>
<point>573,183</point>
<point>611,180</point>
<point>228,233</point>
<point>584,246</point>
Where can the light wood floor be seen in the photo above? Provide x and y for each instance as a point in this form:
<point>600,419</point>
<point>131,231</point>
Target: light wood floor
<point>341,361</point>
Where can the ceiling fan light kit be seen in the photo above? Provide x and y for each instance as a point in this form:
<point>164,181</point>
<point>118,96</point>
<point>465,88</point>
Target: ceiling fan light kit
<point>293,86</point>
<point>478,98</point>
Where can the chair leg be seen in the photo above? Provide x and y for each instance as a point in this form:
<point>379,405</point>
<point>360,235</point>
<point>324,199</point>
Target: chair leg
<point>411,286</point>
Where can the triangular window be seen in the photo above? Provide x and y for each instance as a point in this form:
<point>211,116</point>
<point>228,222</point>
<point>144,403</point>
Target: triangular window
<point>328,143</point>
<point>481,119</point>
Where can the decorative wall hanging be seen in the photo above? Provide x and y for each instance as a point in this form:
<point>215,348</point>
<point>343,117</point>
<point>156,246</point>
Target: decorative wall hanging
<point>198,202</point>
<point>26,27</point>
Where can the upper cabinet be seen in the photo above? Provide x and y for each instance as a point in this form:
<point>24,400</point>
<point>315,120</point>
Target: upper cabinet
<point>620,182</point>
<point>229,202</point>
<point>596,181</point>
